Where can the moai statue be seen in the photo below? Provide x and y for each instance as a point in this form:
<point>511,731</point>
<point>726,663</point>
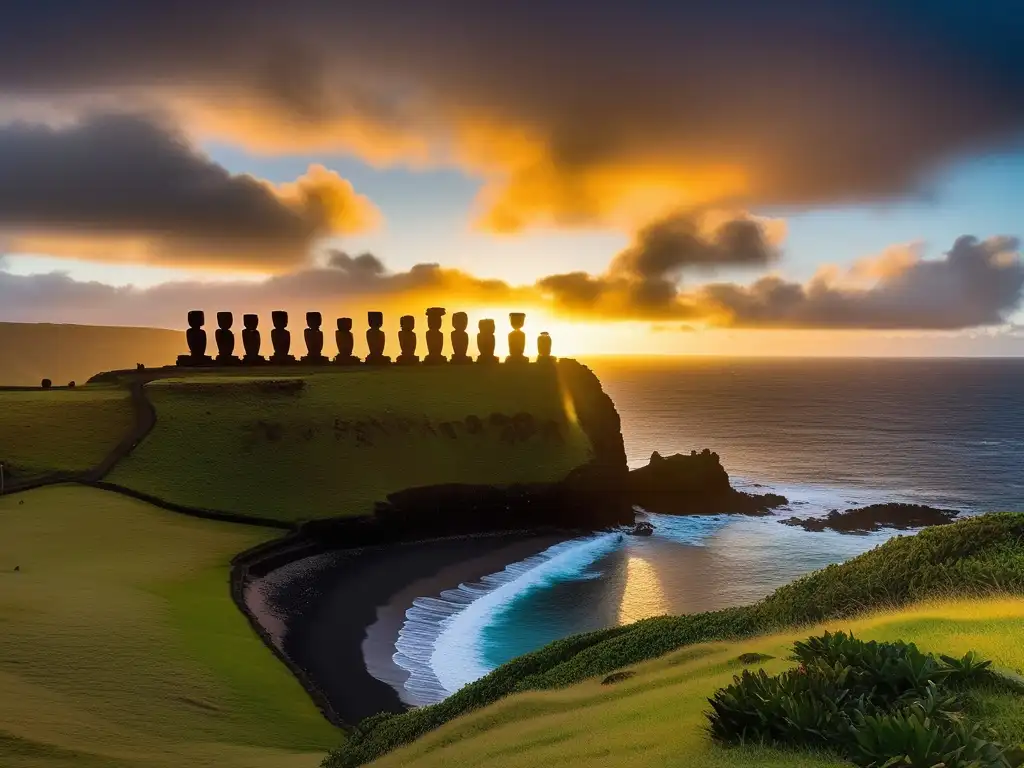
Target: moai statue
<point>517,339</point>
<point>251,340</point>
<point>346,342</point>
<point>460,339</point>
<point>485,343</point>
<point>225,339</point>
<point>314,339</point>
<point>435,339</point>
<point>281,338</point>
<point>196,338</point>
<point>544,348</point>
<point>407,340</point>
<point>375,339</point>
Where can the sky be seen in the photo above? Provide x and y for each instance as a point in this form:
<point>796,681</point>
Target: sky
<point>735,177</point>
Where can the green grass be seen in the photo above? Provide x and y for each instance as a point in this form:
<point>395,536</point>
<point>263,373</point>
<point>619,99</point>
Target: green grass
<point>120,644</point>
<point>656,718</point>
<point>61,430</point>
<point>979,556</point>
<point>229,444</point>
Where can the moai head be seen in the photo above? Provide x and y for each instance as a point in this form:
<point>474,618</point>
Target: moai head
<point>375,319</point>
<point>344,323</point>
<point>251,322</point>
<point>408,322</point>
<point>517,319</point>
<point>314,320</point>
<point>280,319</point>
<point>460,321</point>
<point>486,326</point>
<point>196,318</point>
<point>225,320</point>
<point>434,315</point>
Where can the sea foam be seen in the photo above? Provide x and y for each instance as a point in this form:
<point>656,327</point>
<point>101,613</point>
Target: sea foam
<point>439,644</point>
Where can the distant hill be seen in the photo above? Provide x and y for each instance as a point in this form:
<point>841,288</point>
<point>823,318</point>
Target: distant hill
<point>30,352</point>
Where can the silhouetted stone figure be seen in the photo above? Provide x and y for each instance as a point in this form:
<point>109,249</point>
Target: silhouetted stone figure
<point>346,342</point>
<point>517,339</point>
<point>544,348</point>
<point>281,338</point>
<point>196,338</point>
<point>485,343</point>
<point>435,339</point>
<point>375,339</point>
<point>314,339</point>
<point>225,339</point>
<point>407,340</point>
<point>251,340</point>
<point>460,339</point>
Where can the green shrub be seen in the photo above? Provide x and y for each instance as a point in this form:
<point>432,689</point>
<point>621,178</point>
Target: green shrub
<point>881,704</point>
<point>973,557</point>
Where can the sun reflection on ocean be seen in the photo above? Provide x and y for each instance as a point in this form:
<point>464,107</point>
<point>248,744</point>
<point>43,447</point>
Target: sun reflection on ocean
<point>643,596</point>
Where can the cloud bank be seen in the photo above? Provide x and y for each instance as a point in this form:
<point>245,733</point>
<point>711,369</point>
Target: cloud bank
<point>976,283</point>
<point>129,187</point>
<point>577,112</point>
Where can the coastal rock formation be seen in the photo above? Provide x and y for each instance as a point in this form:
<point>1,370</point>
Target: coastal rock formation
<point>694,484</point>
<point>875,517</point>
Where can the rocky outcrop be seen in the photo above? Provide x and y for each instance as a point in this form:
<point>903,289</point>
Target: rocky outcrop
<point>694,484</point>
<point>875,517</point>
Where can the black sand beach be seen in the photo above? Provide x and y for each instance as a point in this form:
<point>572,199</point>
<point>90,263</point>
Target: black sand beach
<point>335,614</point>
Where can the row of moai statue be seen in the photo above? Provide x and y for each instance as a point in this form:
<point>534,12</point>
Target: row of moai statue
<point>281,340</point>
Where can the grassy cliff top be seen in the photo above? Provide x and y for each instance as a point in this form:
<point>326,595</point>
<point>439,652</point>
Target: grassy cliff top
<point>120,645</point>
<point>292,445</point>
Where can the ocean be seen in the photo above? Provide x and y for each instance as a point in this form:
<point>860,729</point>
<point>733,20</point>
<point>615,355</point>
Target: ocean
<point>826,433</point>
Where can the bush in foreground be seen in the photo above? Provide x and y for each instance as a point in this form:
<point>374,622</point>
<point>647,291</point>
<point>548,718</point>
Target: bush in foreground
<point>973,557</point>
<point>879,704</point>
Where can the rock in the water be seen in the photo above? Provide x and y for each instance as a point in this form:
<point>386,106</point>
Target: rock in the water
<point>875,517</point>
<point>696,484</point>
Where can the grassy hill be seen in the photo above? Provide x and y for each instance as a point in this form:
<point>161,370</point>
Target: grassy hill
<point>981,556</point>
<point>120,644</point>
<point>656,718</point>
<point>299,445</point>
<point>67,430</point>
<point>32,352</point>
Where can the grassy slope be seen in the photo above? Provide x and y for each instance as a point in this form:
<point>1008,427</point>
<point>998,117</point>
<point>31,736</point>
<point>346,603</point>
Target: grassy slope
<point>979,556</point>
<point>120,644</point>
<point>656,718</point>
<point>72,430</point>
<point>222,443</point>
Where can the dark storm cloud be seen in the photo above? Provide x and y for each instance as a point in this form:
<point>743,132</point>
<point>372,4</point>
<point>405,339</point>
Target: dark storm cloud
<point>114,178</point>
<point>568,107</point>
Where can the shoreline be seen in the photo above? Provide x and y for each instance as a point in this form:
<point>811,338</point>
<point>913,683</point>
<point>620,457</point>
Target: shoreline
<point>333,617</point>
